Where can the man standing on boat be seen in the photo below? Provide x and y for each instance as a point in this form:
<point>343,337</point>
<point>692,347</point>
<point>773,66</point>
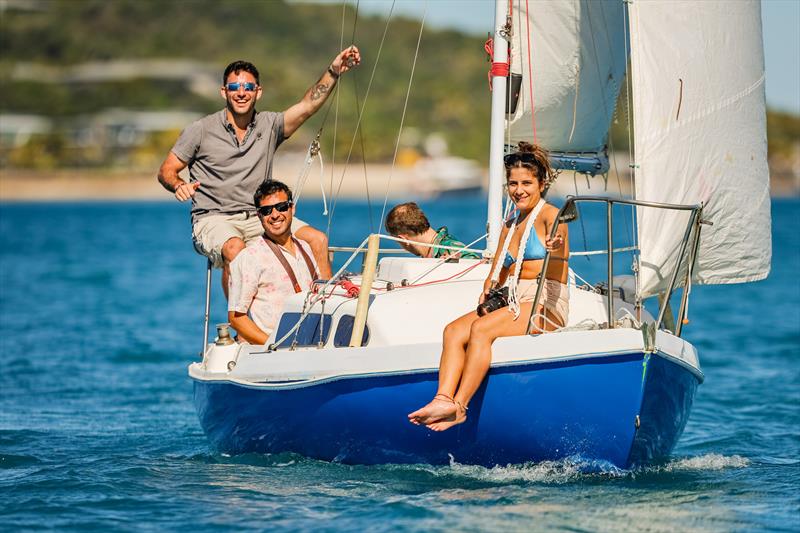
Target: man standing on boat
<point>271,267</point>
<point>230,152</point>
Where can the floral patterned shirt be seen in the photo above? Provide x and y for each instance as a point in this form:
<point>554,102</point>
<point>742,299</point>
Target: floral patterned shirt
<point>259,285</point>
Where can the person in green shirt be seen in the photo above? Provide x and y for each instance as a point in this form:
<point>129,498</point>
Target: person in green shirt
<point>407,221</point>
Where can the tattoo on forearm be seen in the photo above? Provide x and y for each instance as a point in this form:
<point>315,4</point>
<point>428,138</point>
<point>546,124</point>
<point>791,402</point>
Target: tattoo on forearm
<point>318,91</point>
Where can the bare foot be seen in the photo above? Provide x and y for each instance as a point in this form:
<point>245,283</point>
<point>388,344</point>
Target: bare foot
<point>458,417</point>
<point>440,408</point>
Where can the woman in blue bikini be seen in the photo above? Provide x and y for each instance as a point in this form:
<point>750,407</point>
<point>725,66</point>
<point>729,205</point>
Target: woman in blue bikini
<point>467,343</point>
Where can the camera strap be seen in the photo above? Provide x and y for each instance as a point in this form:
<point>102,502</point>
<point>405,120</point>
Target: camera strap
<point>285,264</point>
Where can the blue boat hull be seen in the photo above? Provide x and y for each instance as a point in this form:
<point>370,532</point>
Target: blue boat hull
<point>625,409</point>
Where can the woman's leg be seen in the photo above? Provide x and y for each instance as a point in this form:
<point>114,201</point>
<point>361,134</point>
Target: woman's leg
<point>483,333</point>
<point>451,364</point>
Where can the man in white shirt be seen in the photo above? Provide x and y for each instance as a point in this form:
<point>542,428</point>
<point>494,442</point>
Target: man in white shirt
<point>269,269</point>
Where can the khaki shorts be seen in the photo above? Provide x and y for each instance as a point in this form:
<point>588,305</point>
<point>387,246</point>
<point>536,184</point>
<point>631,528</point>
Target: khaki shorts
<point>554,298</point>
<point>211,232</point>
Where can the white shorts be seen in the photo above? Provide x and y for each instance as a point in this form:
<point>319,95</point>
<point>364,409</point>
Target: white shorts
<point>554,298</point>
<point>211,232</point>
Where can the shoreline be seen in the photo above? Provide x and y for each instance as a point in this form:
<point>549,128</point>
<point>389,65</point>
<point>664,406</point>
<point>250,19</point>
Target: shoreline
<point>94,184</point>
<point>397,184</point>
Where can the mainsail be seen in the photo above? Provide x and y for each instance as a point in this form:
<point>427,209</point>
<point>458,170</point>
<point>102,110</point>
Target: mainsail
<point>575,51</point>
<point>700,136</point>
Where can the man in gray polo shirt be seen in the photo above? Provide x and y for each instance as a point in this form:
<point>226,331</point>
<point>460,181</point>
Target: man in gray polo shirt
<point>230,152</point>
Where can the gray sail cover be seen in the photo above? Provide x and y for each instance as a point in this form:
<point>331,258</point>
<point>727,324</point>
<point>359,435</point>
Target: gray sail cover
<point>577,64</point>
<point>700,136</point>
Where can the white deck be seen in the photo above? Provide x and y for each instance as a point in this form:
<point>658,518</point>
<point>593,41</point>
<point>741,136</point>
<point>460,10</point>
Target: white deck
<point>405,328</point>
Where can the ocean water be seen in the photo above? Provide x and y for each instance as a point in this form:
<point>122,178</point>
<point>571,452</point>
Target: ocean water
<point>101,312</point>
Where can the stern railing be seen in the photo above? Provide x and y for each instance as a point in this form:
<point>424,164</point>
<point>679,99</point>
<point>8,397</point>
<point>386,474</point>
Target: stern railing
<point>569,212</point>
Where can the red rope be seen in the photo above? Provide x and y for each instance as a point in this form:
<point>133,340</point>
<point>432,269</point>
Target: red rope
<point>349,287</point>
<point>498,69</point>
<point>530,68</point>
<point>457,274</point>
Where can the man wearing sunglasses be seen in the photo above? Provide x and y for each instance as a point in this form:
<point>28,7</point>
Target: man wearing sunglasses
<point>270,269</point>
<point>229,153</point>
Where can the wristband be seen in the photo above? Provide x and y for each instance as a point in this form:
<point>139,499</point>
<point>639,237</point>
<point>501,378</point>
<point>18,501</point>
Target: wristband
<point>333,72</point>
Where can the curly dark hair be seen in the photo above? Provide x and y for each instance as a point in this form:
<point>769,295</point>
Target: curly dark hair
<point>539,163</point>
<point>237,67</point>
<point>270,187</point>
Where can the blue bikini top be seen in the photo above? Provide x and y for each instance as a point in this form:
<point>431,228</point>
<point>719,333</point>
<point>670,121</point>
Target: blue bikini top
<point>533,250</point>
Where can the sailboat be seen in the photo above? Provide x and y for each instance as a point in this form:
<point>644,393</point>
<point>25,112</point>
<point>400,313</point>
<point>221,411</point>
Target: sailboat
<point>616,385</point>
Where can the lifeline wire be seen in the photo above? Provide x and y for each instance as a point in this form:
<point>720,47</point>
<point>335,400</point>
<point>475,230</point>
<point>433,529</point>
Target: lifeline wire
<point>322,290</point>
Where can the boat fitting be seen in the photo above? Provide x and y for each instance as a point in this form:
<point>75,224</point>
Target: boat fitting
<point>223,335</point>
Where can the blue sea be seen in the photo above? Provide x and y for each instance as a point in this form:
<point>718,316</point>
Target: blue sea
<point>101,308</point>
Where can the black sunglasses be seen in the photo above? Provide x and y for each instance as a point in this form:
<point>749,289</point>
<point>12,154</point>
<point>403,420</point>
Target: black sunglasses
<point>266,210</point>
<point>520,157</point>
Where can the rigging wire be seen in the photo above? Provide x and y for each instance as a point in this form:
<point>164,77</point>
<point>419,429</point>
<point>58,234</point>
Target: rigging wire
<point>360,117</point>
<point>403,116</point>
<point>361,132</point>
<point>631,161</point>
<point>632,225</point>
<point>364,159</point>
<point>608,116</point>
<point>507,208</point>
<point>336,115</point>
<point>530,67</point>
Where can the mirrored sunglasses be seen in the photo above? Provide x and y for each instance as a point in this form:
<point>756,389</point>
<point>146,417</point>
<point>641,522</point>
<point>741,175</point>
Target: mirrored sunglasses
<point>266,210</point>
<point>249,86</point>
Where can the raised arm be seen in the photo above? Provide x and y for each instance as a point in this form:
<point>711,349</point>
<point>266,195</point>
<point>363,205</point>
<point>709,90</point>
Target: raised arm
<point>295,116</point>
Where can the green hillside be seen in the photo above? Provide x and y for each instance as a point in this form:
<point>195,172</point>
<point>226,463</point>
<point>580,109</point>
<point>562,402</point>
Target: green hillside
<point>291,43</point>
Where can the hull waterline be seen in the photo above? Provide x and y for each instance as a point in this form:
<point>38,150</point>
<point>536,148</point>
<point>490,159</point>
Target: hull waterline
<point>624,409</point>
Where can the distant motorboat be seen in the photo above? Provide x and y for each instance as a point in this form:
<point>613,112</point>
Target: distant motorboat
<point>434,176</point>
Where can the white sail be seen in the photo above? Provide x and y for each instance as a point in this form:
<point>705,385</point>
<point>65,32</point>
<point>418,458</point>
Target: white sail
<point>577,59</point>
<point>700,136</point>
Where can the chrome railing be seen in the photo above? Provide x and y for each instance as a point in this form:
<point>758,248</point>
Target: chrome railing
<point>569,212</point>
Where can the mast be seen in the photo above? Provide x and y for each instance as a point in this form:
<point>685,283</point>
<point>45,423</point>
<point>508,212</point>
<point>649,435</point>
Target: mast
<point>497,128</point>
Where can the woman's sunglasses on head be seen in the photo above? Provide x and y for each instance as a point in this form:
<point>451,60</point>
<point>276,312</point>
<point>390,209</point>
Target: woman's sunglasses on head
<point>282,207</point>
<point>520,157</point>
<point>248,87</point>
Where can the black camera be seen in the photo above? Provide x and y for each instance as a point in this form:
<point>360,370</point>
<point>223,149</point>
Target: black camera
<point>495,299</point>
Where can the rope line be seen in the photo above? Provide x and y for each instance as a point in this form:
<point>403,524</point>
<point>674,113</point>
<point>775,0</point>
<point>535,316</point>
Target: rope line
<point>336,280</point>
